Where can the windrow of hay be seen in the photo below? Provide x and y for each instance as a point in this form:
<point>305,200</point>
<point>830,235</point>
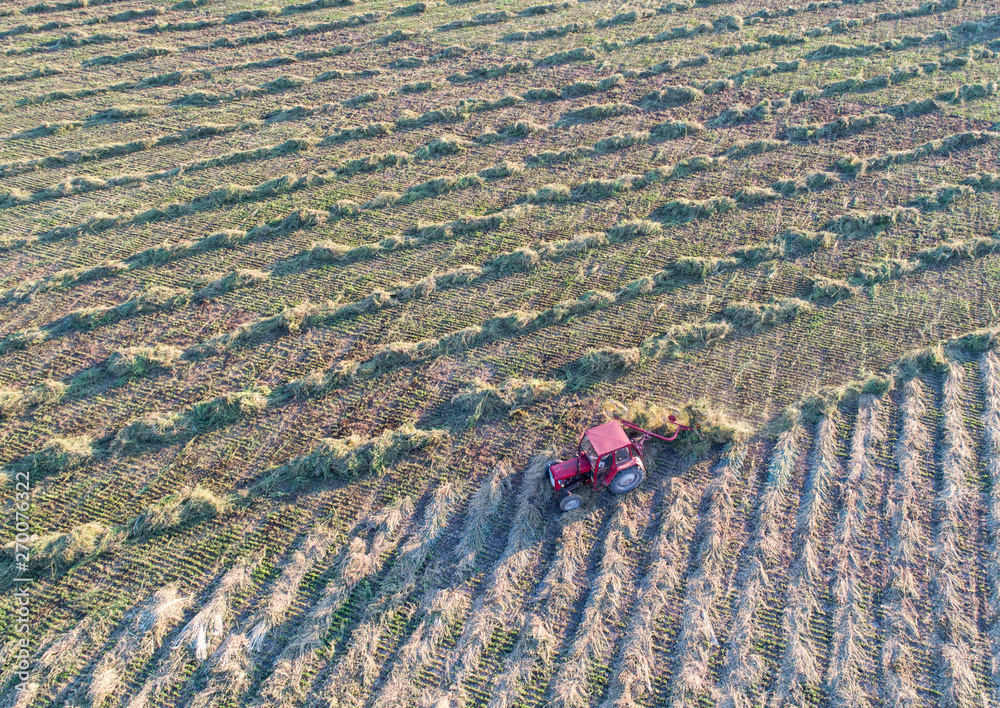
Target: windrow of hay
<point>360,560</point>
<point>152,299</point>
<point>231,666</point>
<point>499,600</point>
<point>631,680</point>
<point>591,646</point>
<point>442,609</point>
<point>481,517</point>
<point>691,679</point>
<point>743,665</point>
<point>799,670</point>
<point>907,553</point>
<point>480,398</point>
<point>160,428</point>
<point>849,660</point>
<point>59,551</point>
<point>345,458</point>
<point>143,630</point>
<point>57,454</point>
<point>133,362</point>
<point>989,367</point>
<point>198,636</point>
<point>752,316</point>
<point>361,663</point>
<point>538,642</point>
<point>955,630</point>
<point>854,165</point>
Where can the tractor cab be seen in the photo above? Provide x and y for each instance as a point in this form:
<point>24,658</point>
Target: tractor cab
<point>606,457</point>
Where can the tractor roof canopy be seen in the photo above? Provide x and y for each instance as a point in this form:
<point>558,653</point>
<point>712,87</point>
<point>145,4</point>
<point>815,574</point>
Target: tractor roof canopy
<point>607,437</point>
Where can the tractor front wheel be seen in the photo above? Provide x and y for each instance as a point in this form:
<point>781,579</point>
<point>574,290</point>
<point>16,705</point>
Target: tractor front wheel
<point>570,502</point>
<point>627,480</point>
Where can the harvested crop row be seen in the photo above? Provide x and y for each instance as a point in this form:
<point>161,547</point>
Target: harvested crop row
<point>499,601</point>
<point>230,664</point>
<point>442,608</point>
<point>907,541</point>
<point>632,676</point>
<point>353,675</point>
<point>143,632</point>
<point>359,561</point>
<point>743,667</point>
<point>989,366</point>
<point>592,645</point>
<point>538,641</point>
<point>849,661</point>
<point>706,584</point>
<point>799,670</point>
<point>199,636</point>
<point>956,632</point>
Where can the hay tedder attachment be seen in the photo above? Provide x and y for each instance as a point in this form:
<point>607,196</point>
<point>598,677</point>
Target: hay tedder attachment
<point>606,457</point>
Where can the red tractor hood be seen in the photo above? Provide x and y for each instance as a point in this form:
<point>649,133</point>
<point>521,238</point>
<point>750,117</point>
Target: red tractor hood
<point>570,468</point>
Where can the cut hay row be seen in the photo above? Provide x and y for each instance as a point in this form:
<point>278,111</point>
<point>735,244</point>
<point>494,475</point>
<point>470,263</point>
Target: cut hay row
<point>234,406</point>
<point>743,666</point>
<point>947,253</point>
<point>696,640</point>
<point>907,542</point>
<point>231,660</point>
<point>955,630</point>
<point>61,656</point>
<point>849,660</point>
<point>592,644</point>
<point>144,629</point>
<point>499,602</point>
<point>441,607</point>
<point>631,680</point>
<point>196,132</point>
<point>152,299</point>
<point>353,676</point>
<point>59,551</point>
<point>358,562</point>
<point>481,518</point>
<point>79,38</point>
<point>799,670</point>
<point>538,642</point>
<point>198,637</point>
<point>989,367</point>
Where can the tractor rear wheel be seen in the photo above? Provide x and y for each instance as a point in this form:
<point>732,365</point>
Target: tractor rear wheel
<point>570,502</point>
<point>627,480</point>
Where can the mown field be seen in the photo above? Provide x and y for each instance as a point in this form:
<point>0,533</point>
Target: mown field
<point>298,299</point>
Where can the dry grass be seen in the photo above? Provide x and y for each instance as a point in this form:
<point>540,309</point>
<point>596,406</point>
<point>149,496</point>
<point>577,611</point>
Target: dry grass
<point>696,638</point>
<point>989,366</point>
<point>849,661</point>
<point>443,608</point>
<point>497,604</point>
<point>743,665</point>
<point>906,555</point>
<point>592,645</point>
<point>197,638</point>
<point>632,676</point>
<point>358,561</point>
<point>538,642</point>
<point>190,505</point>
<point>800,669</point>
<point>481,517</point>
<point>956,630</point>
<point>142,633</point>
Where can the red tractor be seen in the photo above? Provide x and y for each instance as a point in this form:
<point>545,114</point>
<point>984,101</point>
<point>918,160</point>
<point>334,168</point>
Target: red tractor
<point>606,457</point>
